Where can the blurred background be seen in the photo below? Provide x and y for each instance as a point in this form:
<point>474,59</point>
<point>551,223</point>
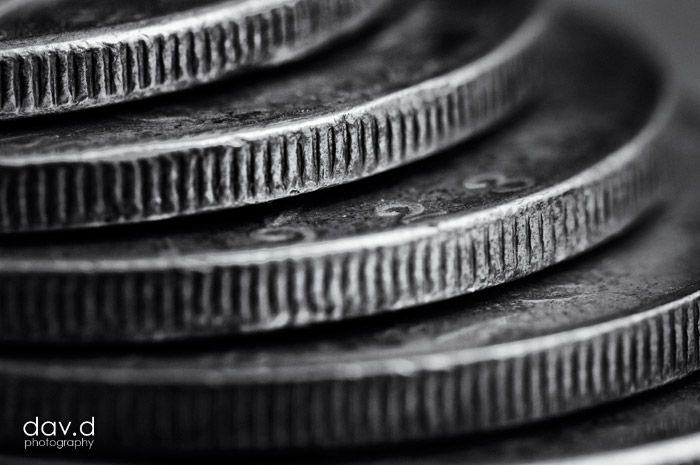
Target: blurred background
<point>673,24</point>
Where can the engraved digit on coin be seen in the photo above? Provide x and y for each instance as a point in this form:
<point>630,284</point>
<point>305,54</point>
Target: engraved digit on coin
<point>407,212</point>
<point>352,253</point>
<point>311,127</point>
<point>629,325</point>
<point>284,228</point>
<point>497,183</point>
<point>281,234</point>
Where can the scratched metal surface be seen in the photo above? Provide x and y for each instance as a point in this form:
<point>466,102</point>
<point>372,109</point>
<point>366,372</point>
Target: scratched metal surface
<point>572,173</point>
<point>612,324</point>
<point>62,55</point>
<point>315,125</point>
<point>618,322</point>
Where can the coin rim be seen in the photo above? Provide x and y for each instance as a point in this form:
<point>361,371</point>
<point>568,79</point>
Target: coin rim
<point>497,84</point>
<point>31,69</point>
<point>500,386</point>
<point>71,288</point>
<point>516,383</point>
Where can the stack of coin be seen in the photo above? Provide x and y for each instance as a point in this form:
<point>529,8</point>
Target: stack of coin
<point>287,229</point>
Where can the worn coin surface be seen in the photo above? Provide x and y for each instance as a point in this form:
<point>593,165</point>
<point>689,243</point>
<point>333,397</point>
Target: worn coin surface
<point>573,173</point>
<point>61,55</point>
<point>353,113</point>
<point>612,324</point>
<point>615,323</point>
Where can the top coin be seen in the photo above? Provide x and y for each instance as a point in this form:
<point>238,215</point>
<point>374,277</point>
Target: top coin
<point>366,109</point>
<point>63,55</point>
<point>553,185</point>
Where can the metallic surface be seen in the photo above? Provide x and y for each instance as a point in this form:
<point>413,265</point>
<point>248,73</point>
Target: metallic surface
<point>61,55</point>
<point>660,428</point>
<point>344,116</point>
<point>610,325</point>
<point>616,323</point>
<point>576,171</point>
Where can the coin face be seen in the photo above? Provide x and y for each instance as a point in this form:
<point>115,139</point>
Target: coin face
<point>313,126</point>
<point>576,171</point>
<point>63,55</point>
<point>602,328</point>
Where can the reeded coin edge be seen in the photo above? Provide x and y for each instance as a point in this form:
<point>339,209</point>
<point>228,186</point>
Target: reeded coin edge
<point>217,171</point>
<point>231,292</point>
<point>389,401</point>
<point>124,65</point>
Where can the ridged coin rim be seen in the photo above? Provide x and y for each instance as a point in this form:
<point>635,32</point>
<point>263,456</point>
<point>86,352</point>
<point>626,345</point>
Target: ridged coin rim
<point>372,402</point>
<point>191,296</point>
<point>132,61</point>
<point>242,167</point>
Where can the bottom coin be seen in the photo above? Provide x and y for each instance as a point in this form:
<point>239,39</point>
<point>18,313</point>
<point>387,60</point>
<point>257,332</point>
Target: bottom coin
<point>662,428</point>
<point>659,429</point>
<point>616,323</point>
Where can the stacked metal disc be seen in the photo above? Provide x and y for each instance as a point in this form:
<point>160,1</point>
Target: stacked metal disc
<point>340,231</point>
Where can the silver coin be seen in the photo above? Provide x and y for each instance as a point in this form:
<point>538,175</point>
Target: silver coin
<point>343,117</point>
<point>607,326</point>
<point>662,428</point>
<point>575,172</point>
<point>658,429</point>
<point>62,55</point>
